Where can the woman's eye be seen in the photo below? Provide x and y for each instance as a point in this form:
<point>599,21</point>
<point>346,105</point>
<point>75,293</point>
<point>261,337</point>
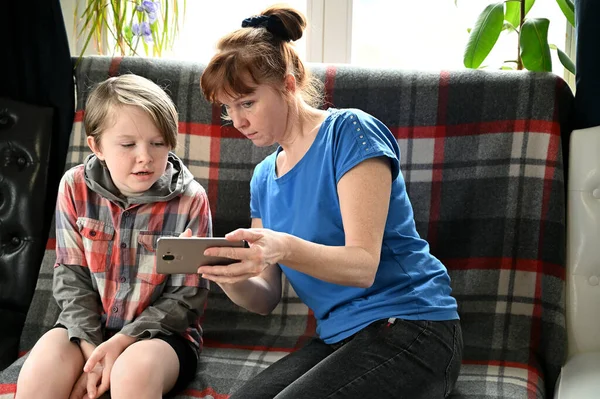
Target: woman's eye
<point>247,104</point>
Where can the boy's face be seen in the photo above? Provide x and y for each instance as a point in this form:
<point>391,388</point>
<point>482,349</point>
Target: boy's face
<point>133,149</point>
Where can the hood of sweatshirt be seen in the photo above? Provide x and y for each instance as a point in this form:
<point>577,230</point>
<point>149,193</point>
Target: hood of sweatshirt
<point>172,183</point>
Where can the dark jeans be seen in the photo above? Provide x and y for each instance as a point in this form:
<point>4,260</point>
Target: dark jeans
<point>407,359</point>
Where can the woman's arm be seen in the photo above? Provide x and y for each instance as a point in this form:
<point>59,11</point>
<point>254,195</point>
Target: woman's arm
<point>364,193</point>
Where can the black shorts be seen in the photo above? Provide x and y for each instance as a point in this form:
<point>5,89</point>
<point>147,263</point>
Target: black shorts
<point>188,361</point>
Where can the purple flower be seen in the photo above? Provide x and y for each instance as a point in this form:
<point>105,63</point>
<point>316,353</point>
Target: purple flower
<point>144,30</point>
<point>152,17</point>
<point>150,6</point>
<point>139,8</point>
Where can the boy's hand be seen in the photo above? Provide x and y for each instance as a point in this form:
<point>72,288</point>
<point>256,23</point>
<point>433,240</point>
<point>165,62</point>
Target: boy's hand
<point>101,361</point>
<point>86,349</point>
<point>80,388</point>
<point>186,233</point>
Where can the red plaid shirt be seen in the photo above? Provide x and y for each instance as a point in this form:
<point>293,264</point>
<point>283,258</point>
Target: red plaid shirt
<point>118,247</point>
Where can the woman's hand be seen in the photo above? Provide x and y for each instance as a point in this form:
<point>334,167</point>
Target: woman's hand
<point>101,361</point>
<point>267,248</point>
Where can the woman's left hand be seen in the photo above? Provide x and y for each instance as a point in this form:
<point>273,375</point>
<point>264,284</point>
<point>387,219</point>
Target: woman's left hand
<point>267,248</point>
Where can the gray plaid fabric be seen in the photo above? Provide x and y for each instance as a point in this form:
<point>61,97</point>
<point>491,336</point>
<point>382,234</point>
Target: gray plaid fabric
<point>482,155</point>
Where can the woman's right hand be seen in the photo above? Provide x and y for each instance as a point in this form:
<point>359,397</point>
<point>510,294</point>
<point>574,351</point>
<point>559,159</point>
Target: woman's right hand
<point>267,248</point>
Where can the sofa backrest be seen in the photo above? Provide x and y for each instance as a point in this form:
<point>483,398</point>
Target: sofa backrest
<point>482,155</point>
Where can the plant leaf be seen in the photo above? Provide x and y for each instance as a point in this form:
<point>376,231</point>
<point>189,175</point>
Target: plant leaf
<point>484,35</point>
<point>568,9</point>
<point>509,27</point>
<point>513,11</point>
<point>566,61</point>
<point>535,51</point>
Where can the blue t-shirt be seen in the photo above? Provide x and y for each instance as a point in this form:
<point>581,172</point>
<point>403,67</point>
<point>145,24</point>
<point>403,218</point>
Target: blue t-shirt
<point>410,282</point>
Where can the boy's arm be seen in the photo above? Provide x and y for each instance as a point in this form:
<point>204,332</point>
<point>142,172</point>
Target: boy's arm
<point>72,283</point>
<point>79,303</point>
<point>173,312</point>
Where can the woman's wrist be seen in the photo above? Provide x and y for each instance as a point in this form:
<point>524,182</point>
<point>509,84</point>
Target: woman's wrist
<point>286,243</point>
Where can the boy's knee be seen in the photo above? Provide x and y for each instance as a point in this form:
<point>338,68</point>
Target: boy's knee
<point>126,377</point>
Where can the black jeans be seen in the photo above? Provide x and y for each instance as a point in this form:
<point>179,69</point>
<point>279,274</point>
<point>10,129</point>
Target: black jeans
<point>406,359</point>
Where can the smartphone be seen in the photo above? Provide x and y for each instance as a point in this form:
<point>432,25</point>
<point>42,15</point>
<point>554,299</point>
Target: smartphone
<point>186,254</point>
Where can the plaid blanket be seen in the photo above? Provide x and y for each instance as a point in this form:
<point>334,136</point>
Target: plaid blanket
<point>482,158</point>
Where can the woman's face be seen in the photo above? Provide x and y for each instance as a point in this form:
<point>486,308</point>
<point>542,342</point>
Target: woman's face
<point>261,116</point>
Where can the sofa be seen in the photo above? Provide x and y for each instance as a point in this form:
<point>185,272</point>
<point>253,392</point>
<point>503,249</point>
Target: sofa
<point>484,159</point>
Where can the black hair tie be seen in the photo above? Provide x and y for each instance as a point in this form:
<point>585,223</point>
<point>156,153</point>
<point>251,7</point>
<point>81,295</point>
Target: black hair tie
<point>271,23</point>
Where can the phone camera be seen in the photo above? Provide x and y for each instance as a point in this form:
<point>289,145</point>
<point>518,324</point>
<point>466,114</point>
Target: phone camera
<point>168,257</point>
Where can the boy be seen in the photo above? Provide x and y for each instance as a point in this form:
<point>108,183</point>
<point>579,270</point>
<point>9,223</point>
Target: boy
<point>122,325</point>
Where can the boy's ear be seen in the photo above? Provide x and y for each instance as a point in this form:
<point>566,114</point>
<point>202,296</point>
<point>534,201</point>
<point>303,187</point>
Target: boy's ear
<point>94,147</point>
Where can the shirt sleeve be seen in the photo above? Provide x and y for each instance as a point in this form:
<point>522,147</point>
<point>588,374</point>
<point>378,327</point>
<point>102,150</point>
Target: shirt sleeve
<point>254,193</point>
<point>200,218</point>
<point>200,223</point>
<point>69,243</point>
<point>173,312</point>
<point>359,136</point>
<point>79,303</point>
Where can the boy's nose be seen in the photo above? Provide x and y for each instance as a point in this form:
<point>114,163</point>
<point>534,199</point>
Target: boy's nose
<point>144,156</point>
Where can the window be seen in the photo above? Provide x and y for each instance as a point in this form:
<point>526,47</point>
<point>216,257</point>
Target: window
<point>424,35</point>
<point>432,34</point>
<point>207,21</point>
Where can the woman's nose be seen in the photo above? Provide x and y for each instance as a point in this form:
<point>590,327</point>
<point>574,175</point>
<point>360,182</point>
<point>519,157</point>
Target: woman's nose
<point>239,122</point>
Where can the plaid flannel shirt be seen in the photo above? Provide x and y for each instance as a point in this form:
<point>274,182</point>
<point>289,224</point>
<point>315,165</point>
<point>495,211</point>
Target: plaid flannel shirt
<point>105,255</point>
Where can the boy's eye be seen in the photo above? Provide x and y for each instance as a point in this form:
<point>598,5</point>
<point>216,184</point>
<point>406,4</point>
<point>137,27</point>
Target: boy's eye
<point>127,145</point>
<point>158,144</point>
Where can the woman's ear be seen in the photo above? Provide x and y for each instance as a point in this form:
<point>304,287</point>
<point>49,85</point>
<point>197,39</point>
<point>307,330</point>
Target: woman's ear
<point>290,83</point>
<point>95,147</point>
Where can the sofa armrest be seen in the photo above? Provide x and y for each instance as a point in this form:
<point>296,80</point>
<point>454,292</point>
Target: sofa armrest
<point>583,251</point>
<point>579,378</point>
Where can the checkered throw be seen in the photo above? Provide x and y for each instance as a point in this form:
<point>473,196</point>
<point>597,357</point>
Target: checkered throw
<point>482,159</point>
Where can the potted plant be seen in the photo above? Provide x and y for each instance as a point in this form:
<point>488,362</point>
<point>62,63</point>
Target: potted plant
<point>533,49</point>
<point>122,26</point>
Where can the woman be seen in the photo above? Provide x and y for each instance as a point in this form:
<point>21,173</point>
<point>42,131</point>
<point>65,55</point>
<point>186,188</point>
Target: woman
<point>330,210</point>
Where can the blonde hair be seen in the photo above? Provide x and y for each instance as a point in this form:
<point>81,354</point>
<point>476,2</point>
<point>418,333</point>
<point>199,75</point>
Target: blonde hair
<point>134,90</point>
<point>259,54</point>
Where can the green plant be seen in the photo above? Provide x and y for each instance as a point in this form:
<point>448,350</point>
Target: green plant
<point>533,49</point>
<point>120,26</point>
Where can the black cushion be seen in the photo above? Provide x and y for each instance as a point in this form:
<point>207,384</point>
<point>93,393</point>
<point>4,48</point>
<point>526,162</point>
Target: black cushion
<point>25,136</point>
